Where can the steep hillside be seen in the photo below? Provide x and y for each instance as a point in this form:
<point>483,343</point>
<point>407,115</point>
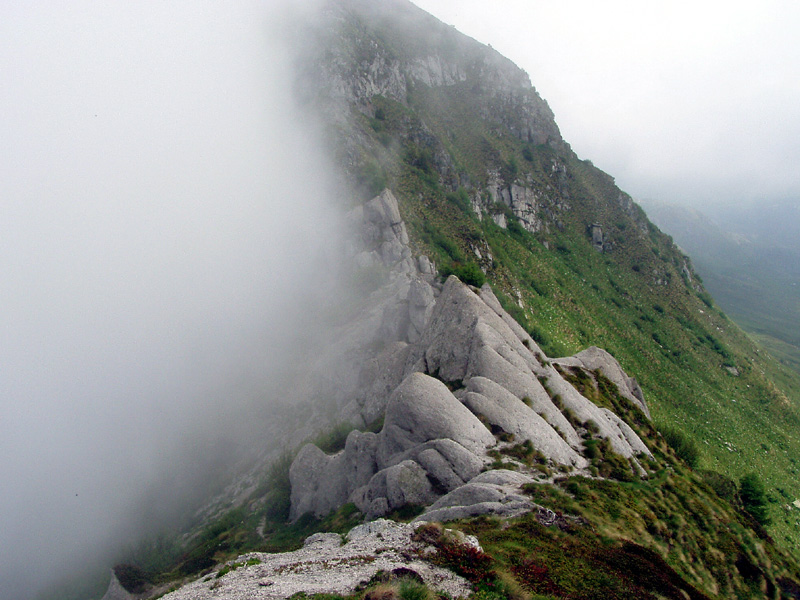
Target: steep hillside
<point>485,180</point>
<point>753,275</point>
<point>459,416</point>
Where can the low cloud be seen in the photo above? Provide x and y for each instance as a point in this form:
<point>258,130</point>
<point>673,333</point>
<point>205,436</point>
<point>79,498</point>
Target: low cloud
<point>167,219</point>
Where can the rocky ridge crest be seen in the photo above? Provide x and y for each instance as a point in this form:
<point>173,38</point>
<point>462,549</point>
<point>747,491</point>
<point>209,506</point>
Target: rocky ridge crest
<point>456,380</point>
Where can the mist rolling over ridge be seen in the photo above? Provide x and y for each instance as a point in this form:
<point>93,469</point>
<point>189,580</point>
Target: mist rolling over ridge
<point>166,223</point>
<point>278,270</point>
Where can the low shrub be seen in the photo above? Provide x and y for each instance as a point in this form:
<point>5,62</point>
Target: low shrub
<point>683,446</point>
<point>754,499</point>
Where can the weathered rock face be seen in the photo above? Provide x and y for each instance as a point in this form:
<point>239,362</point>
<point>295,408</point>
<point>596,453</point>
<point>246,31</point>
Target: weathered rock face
<point>368,57</point>
<point>459,373</point>
<point>388,66</point>
<point>597,359</point>
<point>422,409</point>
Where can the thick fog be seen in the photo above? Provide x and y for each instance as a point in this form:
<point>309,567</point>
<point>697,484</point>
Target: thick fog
<point>165,224</point>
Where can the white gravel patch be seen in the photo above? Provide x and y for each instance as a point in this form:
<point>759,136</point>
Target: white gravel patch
<point>326,564</point>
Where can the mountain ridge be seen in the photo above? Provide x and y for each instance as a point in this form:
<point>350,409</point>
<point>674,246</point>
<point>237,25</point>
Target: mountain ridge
<point>487,190</point>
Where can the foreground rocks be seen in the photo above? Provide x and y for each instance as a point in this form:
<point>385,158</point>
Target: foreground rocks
<point>328,564</point>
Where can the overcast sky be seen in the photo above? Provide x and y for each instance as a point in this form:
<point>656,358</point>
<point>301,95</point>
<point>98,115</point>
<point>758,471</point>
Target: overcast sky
<point>691,100</point>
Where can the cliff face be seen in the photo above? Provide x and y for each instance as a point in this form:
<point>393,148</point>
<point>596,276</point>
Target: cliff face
<point>374,53</point>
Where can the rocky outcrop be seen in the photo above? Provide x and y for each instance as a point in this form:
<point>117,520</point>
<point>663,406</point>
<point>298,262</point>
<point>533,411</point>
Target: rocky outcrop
<point>422,409</point>
<point>459,378</point>
<point>597,359</point>
<point>328,564</point>
<point>495,492</point>
<point>440,57</point>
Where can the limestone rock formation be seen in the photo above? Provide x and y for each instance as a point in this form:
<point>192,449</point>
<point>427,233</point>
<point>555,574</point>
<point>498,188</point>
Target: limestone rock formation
<point>597,359</point>
<point>457,378</point>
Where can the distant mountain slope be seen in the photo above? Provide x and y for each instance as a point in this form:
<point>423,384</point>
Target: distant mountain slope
<point>773,223</point>
<point>751,265</point>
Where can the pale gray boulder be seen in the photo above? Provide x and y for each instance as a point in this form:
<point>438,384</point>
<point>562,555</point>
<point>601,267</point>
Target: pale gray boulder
<point>423,409</point>
<point>323,540</point>
<point>425,266</point>
<point>304,476</point>
<point>503,409</point>
<point>510,480</point>
<point>597,359</point>
<point>489,364</point>
<point>487,295</point>
<point>447,463</point>
<point>464,463</point>
<point>380,376</point>
<point>321,483</point>
<point>394,487</point>
<point>461,322</point>
<point>492,492</point>
<point>359,459</point>
<point>318,482</point>
<point>439,470</point>
<point>407,483</point>
<point>447,342</point>
<point>484,335</point>
<point>471,493</point>
<point>380,223</point>
<point>421,300</point>
<point>506,509</point>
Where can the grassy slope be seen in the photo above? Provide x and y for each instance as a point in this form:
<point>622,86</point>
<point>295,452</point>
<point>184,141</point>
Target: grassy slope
<point>754,277</point>
<point>634,300</point>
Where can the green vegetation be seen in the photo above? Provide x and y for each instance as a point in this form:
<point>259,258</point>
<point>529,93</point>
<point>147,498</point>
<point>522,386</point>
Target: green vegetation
<point>754,500</point>
<point>699,372</point>
<point>333,440</point>
<point>682,445</point>
<point>469,273</point>
<point>132,578</point>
